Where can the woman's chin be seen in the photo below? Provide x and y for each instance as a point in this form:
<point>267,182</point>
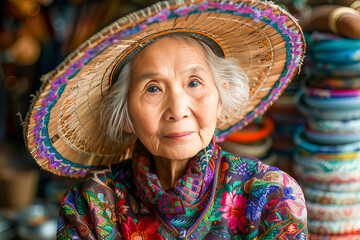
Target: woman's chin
<point>180,151</point>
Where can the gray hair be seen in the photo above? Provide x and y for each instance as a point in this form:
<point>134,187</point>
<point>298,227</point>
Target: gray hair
<point>230,80</point>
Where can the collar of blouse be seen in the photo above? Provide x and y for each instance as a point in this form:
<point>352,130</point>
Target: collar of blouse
<point>188,190</point>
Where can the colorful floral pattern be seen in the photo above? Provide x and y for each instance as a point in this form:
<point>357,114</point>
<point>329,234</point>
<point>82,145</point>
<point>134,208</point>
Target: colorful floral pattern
<point>146,229</point>
<point>244,199</point>
<point>234,209</point>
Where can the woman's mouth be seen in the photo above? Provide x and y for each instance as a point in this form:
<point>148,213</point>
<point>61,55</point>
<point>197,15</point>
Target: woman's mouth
<point>179,135</point>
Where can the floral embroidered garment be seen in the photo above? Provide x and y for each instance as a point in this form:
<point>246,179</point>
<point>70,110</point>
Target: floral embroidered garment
<point>221,196</point>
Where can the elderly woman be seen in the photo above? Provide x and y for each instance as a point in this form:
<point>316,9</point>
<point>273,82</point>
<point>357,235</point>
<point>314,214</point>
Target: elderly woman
<point>160,92</point>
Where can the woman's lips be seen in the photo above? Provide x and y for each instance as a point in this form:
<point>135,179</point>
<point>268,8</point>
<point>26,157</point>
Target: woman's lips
<point>179,135</point>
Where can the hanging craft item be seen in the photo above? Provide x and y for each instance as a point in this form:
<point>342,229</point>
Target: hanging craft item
<point>338,19</point>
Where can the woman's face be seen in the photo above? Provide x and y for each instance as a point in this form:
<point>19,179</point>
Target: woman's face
<point>173,100</point>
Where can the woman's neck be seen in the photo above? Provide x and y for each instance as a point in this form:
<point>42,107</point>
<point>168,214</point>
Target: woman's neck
<point>170,171</point>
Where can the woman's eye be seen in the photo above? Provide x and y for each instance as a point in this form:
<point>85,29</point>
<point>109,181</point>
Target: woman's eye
<point>152,89</point>
<point>194,84</point>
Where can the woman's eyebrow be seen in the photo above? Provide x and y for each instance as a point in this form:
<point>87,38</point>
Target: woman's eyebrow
<point>196,69</point>
<point>145,76</point>
<point>191,70</point>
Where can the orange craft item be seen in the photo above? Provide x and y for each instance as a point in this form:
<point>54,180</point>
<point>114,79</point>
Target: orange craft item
<point>243,136</point>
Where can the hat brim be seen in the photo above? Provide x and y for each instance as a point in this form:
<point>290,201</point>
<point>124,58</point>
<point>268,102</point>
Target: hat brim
<point>62,131</point>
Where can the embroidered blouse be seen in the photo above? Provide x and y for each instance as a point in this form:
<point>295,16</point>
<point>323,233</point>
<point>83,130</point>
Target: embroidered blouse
<point>221,196</point>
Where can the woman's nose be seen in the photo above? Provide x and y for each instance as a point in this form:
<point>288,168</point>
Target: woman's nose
<point>177,106</point>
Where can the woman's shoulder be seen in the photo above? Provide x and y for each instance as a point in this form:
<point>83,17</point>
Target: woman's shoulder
<point>269,199</point>
<point>94,206</point>
<point>245,167</point>
<point>109,176</point>
<point>255,175</point>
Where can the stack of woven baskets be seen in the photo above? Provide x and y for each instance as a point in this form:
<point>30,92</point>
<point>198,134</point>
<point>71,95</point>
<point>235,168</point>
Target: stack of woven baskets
<point>327,156</point>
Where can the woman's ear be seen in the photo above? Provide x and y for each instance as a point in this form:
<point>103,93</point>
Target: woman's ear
<point>219,109</point>
<point>127,128</point>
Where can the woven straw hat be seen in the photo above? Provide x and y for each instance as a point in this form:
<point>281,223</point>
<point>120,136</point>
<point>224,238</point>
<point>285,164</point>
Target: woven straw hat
<point>62,128</point>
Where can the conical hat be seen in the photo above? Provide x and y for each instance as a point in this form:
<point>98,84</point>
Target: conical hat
<point>62,131</point>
